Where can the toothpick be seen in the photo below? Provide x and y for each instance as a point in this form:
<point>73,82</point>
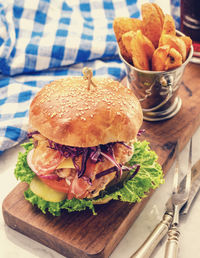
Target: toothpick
<point>87,75</point>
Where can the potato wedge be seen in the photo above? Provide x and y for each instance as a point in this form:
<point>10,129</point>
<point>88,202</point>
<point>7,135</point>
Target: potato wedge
<point>159,58</point>
<point>174,42</point>
<point>126,40</point>
<point>169,25</point>
<point>122,25</point>
<point>146,44</point>
<point>139,57</point>
<point>159,12</point>
<point>174,59</point>
<point>126,55</point>
<point>142,51</point>
<point>166,58</point>
<point>143,43</point>
<point>152,23</point>
<point>188,43</point>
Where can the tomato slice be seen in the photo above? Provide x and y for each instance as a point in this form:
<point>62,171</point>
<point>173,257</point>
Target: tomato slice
<point>59,185</point>
<point>44,159</point>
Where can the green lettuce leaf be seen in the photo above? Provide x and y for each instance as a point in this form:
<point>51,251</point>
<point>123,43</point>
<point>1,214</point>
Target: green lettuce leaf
<point>22,169</point>
<point>55,207</point>
<point>150,176</point>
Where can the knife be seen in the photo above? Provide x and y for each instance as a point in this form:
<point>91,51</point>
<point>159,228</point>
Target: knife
<point>163,226</point>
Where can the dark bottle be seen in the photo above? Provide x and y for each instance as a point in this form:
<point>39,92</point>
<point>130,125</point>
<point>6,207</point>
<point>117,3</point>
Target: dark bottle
<point>190,23</point>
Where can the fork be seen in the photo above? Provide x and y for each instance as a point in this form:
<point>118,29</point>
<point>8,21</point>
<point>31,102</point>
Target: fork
<point>179,199</point>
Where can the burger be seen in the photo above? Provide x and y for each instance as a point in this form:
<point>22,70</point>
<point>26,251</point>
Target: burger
<point>83,147</point>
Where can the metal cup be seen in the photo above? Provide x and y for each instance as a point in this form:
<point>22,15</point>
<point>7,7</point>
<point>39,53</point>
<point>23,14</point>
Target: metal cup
<point>157,91</point>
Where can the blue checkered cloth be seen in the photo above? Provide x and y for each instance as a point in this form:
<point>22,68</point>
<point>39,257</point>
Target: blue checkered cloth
<point>44,40</point>
<point>175,12</point>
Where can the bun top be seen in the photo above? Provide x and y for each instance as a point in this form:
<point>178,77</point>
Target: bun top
<point>67,112</point>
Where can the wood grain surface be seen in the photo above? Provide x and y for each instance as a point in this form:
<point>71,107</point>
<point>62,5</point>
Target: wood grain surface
<point>80,234</point>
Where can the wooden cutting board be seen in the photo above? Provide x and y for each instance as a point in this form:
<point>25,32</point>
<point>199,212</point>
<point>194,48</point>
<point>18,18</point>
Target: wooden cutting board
<point>80,234</point>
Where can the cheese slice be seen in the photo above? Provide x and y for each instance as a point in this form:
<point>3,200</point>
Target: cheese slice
<point>66,163</point>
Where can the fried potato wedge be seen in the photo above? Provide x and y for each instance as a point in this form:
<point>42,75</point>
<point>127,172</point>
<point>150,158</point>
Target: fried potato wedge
<point>152,22</point>
<point>169,25</point>
<point>143,41</point>
<point>159,12</point>
<point>139,57</point>
<point>142,51</point>
<point>146,44</point>
<point>166,58</point>
<point>159,58</point>
<point>122,25</point>
<point>174,42</point>
<point>126,40</point>
<point>174,59</point>
<point>188,42</point>
<point>126,55</point>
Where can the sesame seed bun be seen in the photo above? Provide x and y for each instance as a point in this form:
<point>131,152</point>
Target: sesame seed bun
<point>66,112</point>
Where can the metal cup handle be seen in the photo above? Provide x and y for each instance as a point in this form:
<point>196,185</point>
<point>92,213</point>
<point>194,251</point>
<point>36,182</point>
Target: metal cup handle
<point>165,80</point>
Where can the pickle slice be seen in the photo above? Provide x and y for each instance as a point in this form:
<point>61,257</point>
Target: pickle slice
<point>45,192</point>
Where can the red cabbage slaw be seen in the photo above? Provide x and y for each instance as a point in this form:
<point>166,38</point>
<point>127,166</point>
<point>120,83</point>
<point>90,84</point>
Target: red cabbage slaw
<point>95,154</point>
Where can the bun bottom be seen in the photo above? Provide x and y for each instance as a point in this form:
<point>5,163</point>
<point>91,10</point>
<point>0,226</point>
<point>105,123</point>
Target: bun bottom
<point>102,201</point>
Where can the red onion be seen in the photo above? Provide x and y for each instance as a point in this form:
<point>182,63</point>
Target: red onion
<point>29,161</point>
<point>112,159</point>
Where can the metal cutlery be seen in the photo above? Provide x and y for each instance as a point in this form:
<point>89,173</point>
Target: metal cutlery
<point>162,228</point>
<point>179,198</point>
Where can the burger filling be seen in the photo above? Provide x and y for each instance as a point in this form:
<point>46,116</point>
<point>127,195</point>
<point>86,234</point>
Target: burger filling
<point>79,172</point>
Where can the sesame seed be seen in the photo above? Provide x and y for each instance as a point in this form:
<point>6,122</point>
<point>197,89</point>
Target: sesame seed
<point>54,114</point>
